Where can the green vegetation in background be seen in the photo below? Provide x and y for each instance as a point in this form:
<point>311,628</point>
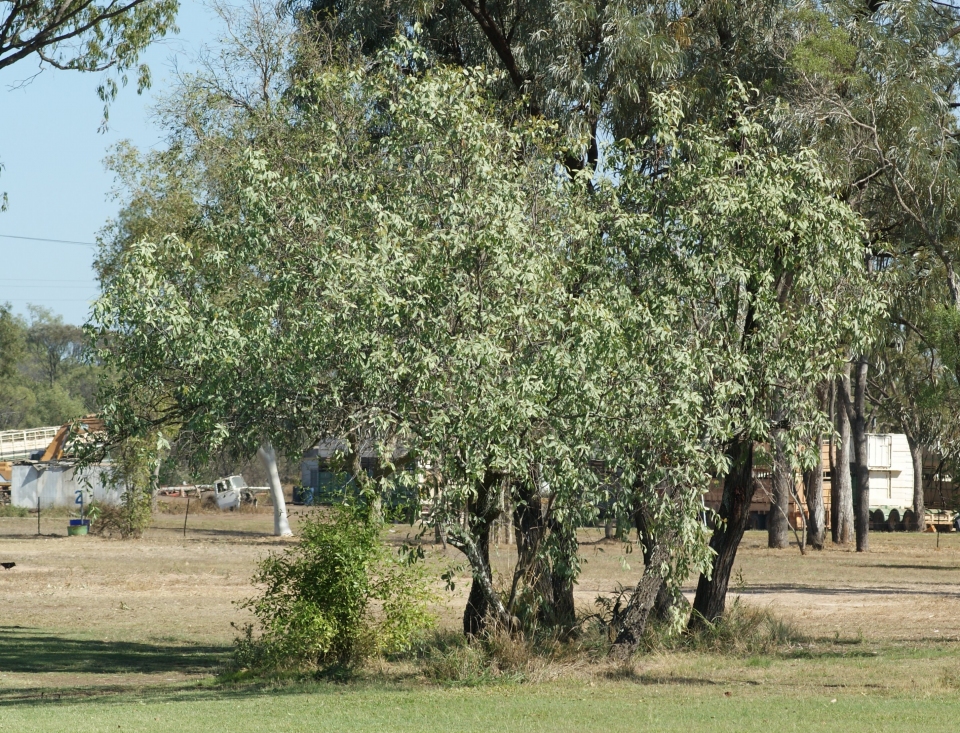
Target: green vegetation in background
<point>47,374</point>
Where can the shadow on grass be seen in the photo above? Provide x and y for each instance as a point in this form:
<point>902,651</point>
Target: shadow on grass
<point>893,566</point>
<point>209,689</point>
<point>31,651</point>
<point>814,590</point>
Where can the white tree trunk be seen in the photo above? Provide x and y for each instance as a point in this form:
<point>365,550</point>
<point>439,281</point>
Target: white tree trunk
<point>281,527</point>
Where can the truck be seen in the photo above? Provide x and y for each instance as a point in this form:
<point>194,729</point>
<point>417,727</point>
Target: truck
<point>228,493</point>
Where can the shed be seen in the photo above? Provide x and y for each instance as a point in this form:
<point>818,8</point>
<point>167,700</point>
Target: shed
<point>58,484</point>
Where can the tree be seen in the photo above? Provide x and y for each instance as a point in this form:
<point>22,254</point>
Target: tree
<point>28,394</point>
<point>384,262</point>
<point>813,479</point>
<point>58,346</point>
<point>229,366</point>
<point>11,342</point>
<point>591,67</point>
<point>763,265</point>
<point>381,256</point>
<point>915,392</point>
<point>873,89</point>
<point>842,498</point>
<point>86,35</point>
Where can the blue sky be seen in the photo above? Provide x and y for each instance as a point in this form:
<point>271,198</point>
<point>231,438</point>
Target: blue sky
<point>52,152</point>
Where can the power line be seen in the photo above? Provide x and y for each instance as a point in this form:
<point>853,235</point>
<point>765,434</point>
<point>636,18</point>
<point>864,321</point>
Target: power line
<point>41,301</point>
<point>41,285</point>
<point>41,281</point>
<point>44,239</point>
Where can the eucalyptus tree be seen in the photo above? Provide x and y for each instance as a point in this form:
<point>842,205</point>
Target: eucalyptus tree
<point>589,66</point>
<point>231,99</point>
<point>873,87</point>
<point>378,260</point>
<point>767,269</point>
<point>915,392</point>
<point>85,35</point>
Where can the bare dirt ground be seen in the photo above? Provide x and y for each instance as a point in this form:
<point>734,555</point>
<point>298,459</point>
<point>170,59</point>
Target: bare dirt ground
<point>169,594</point>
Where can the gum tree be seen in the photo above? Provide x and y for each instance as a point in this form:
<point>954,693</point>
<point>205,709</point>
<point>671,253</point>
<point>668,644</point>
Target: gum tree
<point>767,269</point>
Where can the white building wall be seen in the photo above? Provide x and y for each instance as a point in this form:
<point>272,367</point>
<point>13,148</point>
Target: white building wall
<point>58,486</point>
<point>892,485</point>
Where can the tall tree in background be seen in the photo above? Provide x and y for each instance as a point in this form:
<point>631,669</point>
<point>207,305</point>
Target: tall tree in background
<point>590,66</point>
<point>842,498</point>
<point>813,478</point>
<point>46,377</point>
<point>872,88</point>
<point>58,346</point>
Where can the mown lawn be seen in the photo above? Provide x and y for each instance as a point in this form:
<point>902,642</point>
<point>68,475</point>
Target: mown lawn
<point>847,686</point>
<point>557,706</point>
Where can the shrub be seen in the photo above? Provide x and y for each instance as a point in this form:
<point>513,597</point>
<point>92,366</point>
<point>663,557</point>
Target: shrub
<point>131,471</point>
<point>9,510</point>
<point>126,520</point>
<point>335,598</point>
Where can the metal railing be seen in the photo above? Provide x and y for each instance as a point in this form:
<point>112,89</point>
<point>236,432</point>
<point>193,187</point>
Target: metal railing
<point>18,444</point>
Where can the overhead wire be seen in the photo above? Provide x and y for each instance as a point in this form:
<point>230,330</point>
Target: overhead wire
<point>45,239</point>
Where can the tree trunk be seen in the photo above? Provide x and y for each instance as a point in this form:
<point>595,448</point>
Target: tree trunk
<point>484,602</point>
<point>738,489</point>
<point>919,510</point>
<point>813,480</point>
<point>778,530</point>
<point>666,598</point>
<point>643,599</point>
<point>813,491</point>
<point>843,526</point>
<point>531,534</point>
<point>563,615</point>
<point>281,526</point>
<point>832,458</point>
<point>858,429</point>
<point>478,602</point>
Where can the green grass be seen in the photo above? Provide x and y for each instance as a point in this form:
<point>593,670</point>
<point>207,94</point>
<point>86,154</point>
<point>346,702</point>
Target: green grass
<point>822,686</point>
<point>556,707</point>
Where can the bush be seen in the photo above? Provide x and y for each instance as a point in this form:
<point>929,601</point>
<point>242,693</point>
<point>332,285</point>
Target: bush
<point>126,520</point>
<point>335,598</point>
<point>131,472</point>
<point>9,510</point>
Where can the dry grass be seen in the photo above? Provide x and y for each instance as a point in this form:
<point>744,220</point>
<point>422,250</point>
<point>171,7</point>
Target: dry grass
<point>176,592</point>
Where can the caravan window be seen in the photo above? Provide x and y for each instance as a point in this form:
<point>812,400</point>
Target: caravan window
<point>879,451</point>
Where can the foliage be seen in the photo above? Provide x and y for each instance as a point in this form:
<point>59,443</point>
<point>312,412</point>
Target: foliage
<point>90,36</point>
<point>46,376</point>
<point>131,474</point>
<point>380,256</point>
<point>874,92</point>
<point>742,631</point>
<point>335,598</point>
